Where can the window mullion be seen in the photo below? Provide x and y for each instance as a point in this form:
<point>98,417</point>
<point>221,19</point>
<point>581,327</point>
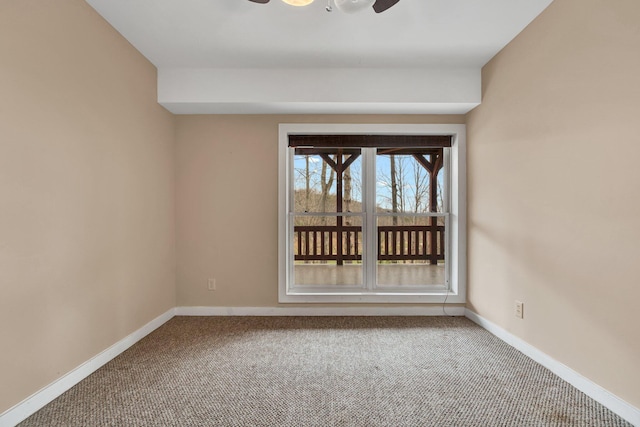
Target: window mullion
<point>446,180</point>
<point>446,207</point>
<point>290,221</point>
<point>371,239</point>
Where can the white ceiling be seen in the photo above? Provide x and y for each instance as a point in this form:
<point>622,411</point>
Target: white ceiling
<point>238,34</point>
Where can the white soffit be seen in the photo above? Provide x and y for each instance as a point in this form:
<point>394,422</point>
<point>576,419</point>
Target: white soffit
<point>319,91</point>
<point>216,56</point>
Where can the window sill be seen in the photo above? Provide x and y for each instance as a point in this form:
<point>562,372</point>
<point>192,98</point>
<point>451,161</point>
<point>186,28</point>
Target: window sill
<point>390,297</point>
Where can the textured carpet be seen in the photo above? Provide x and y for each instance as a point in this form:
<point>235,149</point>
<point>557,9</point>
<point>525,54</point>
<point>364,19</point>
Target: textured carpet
<point>322,371</point>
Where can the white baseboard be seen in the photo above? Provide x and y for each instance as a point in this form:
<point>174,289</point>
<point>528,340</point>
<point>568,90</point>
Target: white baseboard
<point>320,311</point>
<point>588,387</point>
<point>35,402</point>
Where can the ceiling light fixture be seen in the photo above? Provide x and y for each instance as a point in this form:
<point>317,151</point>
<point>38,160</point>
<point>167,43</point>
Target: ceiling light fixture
<point>298,2</point>
<point>348,6</point>
<point>352,6</point>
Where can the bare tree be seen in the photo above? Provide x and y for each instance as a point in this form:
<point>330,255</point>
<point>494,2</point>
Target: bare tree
<point>401,181</point>
<point>325,186</point>
<point>307,177</point>
<point>347,193</point>
<point>394,188</point>
<point>420,189</point>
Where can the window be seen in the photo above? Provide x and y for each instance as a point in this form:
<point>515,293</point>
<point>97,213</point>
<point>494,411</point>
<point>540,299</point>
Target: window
<point>371,213</point>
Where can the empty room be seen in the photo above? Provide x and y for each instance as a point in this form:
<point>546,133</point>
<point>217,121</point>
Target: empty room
<point>319,213</point>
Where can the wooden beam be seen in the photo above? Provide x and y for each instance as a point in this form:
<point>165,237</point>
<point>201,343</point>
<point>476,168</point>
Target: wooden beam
<point>358,141</point>
<point>330,162</point>
<point>424,162</point>
<point>349,161</point>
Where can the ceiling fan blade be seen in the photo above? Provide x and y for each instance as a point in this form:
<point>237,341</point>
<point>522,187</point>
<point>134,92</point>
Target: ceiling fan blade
<point>382,5</point>
<point>260,1</point>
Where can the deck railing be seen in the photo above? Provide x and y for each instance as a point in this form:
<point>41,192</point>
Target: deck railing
<point>395,243</point>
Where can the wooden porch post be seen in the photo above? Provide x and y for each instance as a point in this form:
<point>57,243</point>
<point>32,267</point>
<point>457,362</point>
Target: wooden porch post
<point>339,171</point>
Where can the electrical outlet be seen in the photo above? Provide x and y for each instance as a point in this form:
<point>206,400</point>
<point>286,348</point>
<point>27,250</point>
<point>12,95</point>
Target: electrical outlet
<point>519,309</point>
<point>211,284</point>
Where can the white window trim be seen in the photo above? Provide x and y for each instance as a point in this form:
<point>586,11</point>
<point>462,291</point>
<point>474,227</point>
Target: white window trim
<point>458,210</point>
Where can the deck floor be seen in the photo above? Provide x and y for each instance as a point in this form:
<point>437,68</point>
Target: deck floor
<point>352,274</point>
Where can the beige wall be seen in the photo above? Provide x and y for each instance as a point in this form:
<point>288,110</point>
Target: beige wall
<point>86,192</point>
<point>227,195</point>
<point>554,190</point>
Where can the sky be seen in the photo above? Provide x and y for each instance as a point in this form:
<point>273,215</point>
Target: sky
<point>412,180</point>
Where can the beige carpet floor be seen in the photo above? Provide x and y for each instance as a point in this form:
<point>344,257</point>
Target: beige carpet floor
<point>322,371</point>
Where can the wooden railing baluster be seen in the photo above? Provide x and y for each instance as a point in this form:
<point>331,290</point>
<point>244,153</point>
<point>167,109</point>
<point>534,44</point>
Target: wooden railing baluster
<point>395,243</point>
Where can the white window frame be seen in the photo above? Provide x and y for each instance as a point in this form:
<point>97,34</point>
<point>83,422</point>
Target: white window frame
<point>456,244</point>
